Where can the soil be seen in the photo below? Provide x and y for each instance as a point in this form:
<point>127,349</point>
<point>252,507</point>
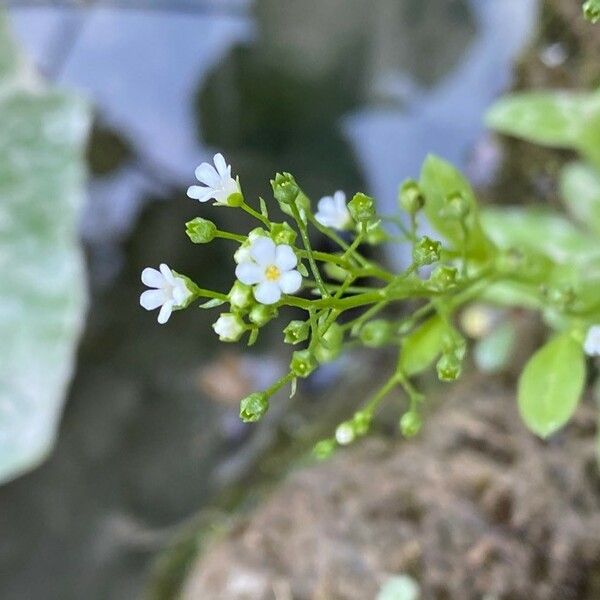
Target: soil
<point>474,507</point>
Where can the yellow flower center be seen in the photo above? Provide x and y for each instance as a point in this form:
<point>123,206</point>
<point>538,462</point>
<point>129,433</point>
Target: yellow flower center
<point>272,273</point>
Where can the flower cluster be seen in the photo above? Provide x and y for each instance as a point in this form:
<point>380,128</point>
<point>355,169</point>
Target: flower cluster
<point>345,295</point>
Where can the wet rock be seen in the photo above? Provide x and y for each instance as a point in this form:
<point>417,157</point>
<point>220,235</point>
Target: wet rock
<point>476,505</point>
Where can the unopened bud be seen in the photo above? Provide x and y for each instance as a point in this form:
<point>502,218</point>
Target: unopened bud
<point>410,424</point>
<point>201,231</point>
<point>410,197</point>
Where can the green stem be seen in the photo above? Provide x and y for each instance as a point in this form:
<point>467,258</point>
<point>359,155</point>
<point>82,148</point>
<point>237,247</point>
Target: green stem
<point>230,236</point>
<point>382,392</point>
<point>256,214</point>
<point>307,246</point>
<point>279,384</point>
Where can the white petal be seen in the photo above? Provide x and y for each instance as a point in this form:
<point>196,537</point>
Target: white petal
<point>200,193</point>
<point>242,255</point>
<point>290,282</point>
<point>165,312</point>
<point>339,199</point>
<point>222,168</point>
<point>167,274</point>
<point>263,251</point>
<point>152,299</point>
<point>152,278</point>
<point>267,292</point>
<point>591,345</point>
<point>325,204</point>
<point>285,259</point>
<point>208,175</point>
<point>180,291</point>
<point>249,273</point>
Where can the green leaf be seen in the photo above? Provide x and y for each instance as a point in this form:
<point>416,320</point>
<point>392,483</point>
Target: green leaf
<point>421,347</point>
<point>548,118</point>
<point>440,180</point>
<point>263,208</point>
<point>512,293</point>
<point>551,385</point>
<point>399,587</point>
<point>212,303</point>
<point>538,229</point>
<point>580,190</point>
<point>558,119</point>
<point>42,289</point>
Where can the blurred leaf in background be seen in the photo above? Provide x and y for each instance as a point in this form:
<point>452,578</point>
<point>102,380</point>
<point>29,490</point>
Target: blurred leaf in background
<point>42,283</point>
<point>558,119</point>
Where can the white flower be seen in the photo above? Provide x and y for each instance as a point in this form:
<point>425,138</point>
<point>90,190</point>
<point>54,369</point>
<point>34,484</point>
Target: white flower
<point>171,291</point>
<point>333,212</point>
<point>229,327</point>
<point>218,182</point>
<point>344,434</point>
<point>592,341</point>
<point>272,268</point>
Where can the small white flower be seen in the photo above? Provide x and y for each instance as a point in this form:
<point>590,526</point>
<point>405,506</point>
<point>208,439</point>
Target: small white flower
<point>229,327</point>
<point>218,182</point>
<point>171,291</point>
<point>344,434</point>
<point>592,341</point>
<point>272,268</point>
<point>333,212</point>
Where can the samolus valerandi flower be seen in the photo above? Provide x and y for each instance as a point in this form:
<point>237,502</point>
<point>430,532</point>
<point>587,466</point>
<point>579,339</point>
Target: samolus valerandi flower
<point>170,291</point>
<point>592,341</point>
<point>271,269</point>
<point>217,180</point>
<point>229,327</point>
<point>332,211</point>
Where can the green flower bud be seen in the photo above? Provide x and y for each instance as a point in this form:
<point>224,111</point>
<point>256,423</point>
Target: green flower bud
<point>591,11</point>
<point>296,332</point>
<point>344,434</point>
<point>362,208</point>
<point>303,363</point>
<point>240,296</point>
<point>410,197</point>
<point>253,407</point>
<point>201,231</point>
<point>285,188</point>
<point>426,251</point>
<point>282,233</point>
<point>410,424</point>
<point>443,278</point>
<point>330,347</point>
<point>324,449</point>
<point>456,207</point>
<point>361,421</point>
<point>261,314</point>
<point>376,333</point>
<point>449,367</point>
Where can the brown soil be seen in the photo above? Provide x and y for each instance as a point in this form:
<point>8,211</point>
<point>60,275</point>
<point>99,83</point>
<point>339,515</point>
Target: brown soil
<point>475,507</point>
